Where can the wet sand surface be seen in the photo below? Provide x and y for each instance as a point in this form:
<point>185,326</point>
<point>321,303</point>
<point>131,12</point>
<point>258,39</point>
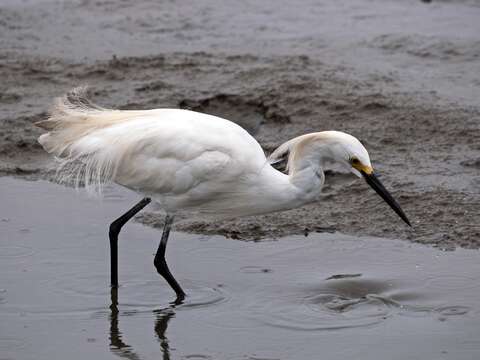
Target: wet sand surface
<point>403,76</point>
<point>326,296</point>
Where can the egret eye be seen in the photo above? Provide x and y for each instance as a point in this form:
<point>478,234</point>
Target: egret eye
<point>355,161</point>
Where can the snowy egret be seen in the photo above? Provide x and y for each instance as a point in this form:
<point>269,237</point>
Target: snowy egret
<point>192,162</point>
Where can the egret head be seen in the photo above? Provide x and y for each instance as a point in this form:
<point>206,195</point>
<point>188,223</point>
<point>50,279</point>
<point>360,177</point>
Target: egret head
<point>340,148</point>
<point>334,147</point>
<point>349,151</point>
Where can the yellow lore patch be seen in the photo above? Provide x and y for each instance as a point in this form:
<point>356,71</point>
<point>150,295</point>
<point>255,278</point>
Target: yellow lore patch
<point>362,168</point>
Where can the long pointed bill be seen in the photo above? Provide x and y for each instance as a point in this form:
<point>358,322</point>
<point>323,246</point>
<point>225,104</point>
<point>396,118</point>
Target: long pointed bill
<point>373,181</point>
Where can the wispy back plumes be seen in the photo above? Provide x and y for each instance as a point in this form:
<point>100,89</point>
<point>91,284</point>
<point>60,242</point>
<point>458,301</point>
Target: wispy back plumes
<point>72,117</point>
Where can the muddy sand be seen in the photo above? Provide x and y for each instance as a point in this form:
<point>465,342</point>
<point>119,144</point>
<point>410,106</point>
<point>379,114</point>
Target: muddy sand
<point>402,76</point>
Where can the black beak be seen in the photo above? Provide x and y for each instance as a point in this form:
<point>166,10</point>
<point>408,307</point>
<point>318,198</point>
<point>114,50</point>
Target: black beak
<point>373,181</point>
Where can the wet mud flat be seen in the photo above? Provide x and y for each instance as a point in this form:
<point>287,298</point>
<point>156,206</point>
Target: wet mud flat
<point>428,155</point>
<point>402,76</point>
<point>326,295</point>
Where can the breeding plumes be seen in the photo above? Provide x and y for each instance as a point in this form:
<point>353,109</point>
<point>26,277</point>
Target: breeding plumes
<point>192,162</point>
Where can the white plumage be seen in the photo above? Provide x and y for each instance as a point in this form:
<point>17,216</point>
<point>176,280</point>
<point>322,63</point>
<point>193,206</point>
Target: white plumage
<point>184,160</point>
<point>192,162</point>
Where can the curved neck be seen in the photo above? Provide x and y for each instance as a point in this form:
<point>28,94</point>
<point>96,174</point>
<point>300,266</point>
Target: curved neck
<point>309,178</point>
<point>307,155</point>
<point>305,166</point>
<point>278,191</point>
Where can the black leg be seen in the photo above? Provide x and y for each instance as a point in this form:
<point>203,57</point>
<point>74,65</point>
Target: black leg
<point>161,264</point>
<point>115,228</point>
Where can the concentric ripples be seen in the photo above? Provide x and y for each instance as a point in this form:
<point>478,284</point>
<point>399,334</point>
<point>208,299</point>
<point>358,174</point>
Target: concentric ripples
<point>349,301</point>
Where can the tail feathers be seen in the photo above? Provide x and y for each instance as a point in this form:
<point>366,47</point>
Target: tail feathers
<point>71,117</point>
<point>82,161</point>
<point>74,116</point>
<point>69,109</point>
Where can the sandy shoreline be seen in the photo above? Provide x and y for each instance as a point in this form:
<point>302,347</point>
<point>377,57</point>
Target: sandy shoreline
<point>423,141</point>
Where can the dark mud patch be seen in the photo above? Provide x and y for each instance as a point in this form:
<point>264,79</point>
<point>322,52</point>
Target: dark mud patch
<point>249,114</point>
<point>9,98</point>
<point>475,163</point>
<point>14,142</point>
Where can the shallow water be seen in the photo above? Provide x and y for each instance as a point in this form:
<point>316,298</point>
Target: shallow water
<point>324,296</point>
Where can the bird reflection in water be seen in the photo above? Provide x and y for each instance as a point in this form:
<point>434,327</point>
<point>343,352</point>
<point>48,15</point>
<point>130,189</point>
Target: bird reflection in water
<point>120,348</point>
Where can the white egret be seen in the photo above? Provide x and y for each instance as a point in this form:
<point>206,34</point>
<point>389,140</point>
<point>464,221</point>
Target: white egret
<point>192,162</point>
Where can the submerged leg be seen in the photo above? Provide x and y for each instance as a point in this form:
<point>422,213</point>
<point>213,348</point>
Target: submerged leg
<point>161,264</point>
<point>115,228</point>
